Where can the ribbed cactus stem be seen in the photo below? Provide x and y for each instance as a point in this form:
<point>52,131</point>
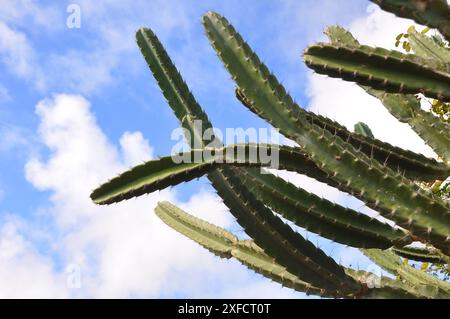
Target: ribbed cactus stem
<point>363,129</point>
<point>406,108</point>
<point>378,68</point>
<point>398,199</point>
<point>432,13</point>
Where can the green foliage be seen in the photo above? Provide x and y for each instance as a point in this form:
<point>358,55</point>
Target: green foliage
<point>433,13</point>
<point>402,186</point>
<point>363,129</point>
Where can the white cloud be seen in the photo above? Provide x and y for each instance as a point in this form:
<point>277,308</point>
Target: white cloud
<point>4,94</point>
<point>15,51</point>
<point>348,104</point>
<point>29,12</point>
<point>122,250</point>
<point>24,273</point>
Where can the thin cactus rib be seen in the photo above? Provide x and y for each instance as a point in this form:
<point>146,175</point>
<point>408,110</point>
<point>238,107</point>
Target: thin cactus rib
<point>389,261</point>
<point>406,108</point>
<point>432,13</point>
<point>395,197</point>
<point>421,254</point>
<point>378,68</point>
<point>321,216</point>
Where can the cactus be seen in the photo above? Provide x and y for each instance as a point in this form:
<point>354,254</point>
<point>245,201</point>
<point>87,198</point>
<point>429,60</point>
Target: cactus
<point>433,13</point>
<point>385,177</point>
<point>381,69</point>
<point>363,129</point>
<point>406,108</point>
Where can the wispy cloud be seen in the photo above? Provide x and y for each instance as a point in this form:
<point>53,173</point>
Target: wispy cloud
<point>122,250</point>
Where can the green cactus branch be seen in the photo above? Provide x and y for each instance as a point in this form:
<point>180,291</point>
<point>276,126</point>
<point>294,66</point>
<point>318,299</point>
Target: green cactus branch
<point>432,13</point>
<point>385,177</point>
<point>249,213</point>
<point>387,288</point>
<point>279,241</point>
<point>394,196</point>
<point>411,165</point>
<point>406,108</point>
<point>172,170</point>
<point>224,244</point>
<point>421,254</point>
<point>378,68</point>
<point>321,216</point>
<point>362,129</point>
<point>215,239</point>
<point>427,49</point>
<point>412,276</point>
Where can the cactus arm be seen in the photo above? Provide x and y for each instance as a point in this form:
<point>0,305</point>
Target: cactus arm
<point>252,256</point>
<point>432,13</point>
<point>394,196</point>
<point>378,68</point>
<point>363,129</point>
<point>389,288</point>
<point>277,239</point>
<point>321,216</point>
<point>411,165</point>
<point>226,181</point>
<point>148,177</point>
<point>224,244</point>
<point>421,254</point>
<point>406,108</point>
<point>172,170</point>
<point>215,239</point>
<point>389,261</point>
<point>172,85</point>
<point>426,48</point>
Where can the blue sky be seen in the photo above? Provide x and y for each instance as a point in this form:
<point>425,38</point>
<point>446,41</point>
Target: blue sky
<point>79,105</point>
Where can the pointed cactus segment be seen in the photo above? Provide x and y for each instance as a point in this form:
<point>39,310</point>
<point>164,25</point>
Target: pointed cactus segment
<point>217,240</point>
<point>432,13</point>
<point>421,254</point>
<point>428,49</point>
<point>172,85</point>
<point>363,129</point>
<point>406,108</point>
<point>378,68</point>
<point>277,239</point>
<point>412,165</point>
